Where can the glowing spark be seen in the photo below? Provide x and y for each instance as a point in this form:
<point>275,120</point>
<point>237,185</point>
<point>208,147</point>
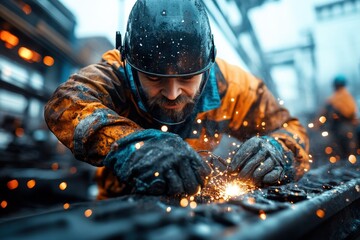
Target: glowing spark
<point>139,145</point>
<point>63,186</point>
<point>328,150</point>
<point>310,125</point>
<point>325,134</point>
<point>31,183</point>
<point>322,119</point>
<point>3,204</point>
<point>88,213</point>
<point>164,128</point>
<point>320,213</point>
<point>12,184</point>
<point>184,202</point>
<point>352,159</point>
<point>168,209</point>
<point>332,159</point>
<point>262,215</point>
<point>66,206</point>
<point>193,205</point>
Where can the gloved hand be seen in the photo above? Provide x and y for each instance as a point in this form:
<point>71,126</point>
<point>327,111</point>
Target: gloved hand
<point>262,160</point>
<point>157,163</point>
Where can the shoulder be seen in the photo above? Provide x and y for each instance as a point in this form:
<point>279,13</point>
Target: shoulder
<point>113,58</point>
<point>107,70</point>
<point>236,77</point>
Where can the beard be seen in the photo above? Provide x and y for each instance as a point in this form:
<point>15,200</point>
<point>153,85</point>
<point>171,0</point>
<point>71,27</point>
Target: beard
<point>156,106</point>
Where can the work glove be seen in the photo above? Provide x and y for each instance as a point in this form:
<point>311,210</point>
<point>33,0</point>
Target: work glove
<point>157,163</point>
<point>262,160</point>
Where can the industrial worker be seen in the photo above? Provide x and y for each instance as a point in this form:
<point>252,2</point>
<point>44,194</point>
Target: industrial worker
<point>145,111</point>
<point>340,112</point>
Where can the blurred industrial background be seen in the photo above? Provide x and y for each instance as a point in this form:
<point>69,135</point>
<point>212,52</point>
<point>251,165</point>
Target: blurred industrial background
<point>296,47</point>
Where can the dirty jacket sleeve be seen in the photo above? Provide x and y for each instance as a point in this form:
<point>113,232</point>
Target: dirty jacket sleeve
<point>87,112</point>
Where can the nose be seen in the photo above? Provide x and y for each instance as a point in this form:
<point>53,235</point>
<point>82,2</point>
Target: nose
<point>172,88</point>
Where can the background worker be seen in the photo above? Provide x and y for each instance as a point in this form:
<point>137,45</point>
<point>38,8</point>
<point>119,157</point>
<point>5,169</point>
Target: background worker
<point>340,111</point>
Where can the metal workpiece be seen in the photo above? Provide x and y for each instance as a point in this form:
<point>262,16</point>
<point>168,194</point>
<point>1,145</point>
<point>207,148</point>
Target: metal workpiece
<point>324,204</point>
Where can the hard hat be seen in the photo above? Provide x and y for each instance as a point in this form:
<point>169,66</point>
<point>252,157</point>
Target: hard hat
<point>339,81</point>
<point>169,38</point>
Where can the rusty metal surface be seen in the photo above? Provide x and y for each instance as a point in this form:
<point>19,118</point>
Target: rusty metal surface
<point>325,204</point>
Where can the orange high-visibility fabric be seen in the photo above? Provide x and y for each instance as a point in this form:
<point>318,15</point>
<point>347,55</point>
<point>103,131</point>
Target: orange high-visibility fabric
<point>343,102</point>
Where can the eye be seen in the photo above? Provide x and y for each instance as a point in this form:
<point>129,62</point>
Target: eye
<point>153,78</point>
<point>187,78</point>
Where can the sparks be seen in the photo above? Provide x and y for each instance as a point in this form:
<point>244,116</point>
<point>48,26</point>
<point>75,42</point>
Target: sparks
<point>233,190</point>
<point>221,188</point>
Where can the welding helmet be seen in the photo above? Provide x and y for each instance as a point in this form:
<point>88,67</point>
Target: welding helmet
<point>169,38</point>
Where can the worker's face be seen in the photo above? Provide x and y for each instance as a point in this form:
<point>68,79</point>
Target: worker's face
<point>172,97</point>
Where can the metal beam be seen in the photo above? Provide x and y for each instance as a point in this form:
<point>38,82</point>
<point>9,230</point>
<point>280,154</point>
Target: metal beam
<point>259,68</point>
